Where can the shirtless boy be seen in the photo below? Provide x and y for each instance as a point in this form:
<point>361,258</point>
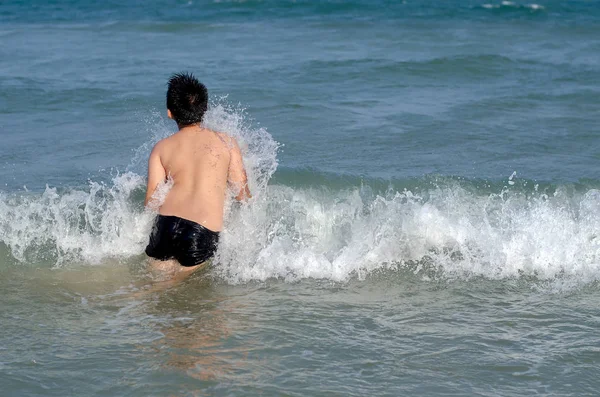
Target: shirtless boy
<point>202,163</point>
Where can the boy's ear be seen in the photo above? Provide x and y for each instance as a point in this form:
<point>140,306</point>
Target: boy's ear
<point>169,114</point>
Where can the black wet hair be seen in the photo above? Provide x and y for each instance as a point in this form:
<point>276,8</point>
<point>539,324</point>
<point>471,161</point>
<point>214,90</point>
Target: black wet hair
<point>187,99</point>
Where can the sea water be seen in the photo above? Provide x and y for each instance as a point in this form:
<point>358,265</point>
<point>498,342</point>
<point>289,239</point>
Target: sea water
<point>426,210</point>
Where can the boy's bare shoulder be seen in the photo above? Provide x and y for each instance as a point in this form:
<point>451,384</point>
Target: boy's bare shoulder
<point>161,145</point>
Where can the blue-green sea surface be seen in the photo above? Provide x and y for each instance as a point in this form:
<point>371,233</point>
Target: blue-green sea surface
<point>426,211</point>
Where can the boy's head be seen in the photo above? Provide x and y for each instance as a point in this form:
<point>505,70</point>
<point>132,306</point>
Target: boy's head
<point>187,99</point>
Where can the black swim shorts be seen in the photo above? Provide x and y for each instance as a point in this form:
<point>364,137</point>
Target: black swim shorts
<point>186,241</point>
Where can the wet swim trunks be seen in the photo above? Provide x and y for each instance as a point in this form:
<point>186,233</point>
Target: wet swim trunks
<point>173,237</point>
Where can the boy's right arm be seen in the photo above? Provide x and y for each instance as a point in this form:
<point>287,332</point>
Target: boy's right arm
<point>237,173</point>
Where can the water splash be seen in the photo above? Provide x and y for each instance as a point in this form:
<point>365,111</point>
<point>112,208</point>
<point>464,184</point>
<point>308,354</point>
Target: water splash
<point>108,220</point>
<point>76,225</point>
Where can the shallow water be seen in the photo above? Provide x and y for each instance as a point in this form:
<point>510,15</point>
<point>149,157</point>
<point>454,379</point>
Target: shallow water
<point>96,333</point>
<point>426,211</point>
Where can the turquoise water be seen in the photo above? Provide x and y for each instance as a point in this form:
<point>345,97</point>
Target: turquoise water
<point>427,201</point>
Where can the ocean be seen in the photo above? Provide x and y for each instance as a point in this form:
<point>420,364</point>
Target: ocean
<point>426,211</point>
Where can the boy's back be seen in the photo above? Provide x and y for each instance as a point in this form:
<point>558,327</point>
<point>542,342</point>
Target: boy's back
<point>198,160</point>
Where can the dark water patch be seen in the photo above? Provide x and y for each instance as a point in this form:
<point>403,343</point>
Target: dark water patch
<point>68,11</point>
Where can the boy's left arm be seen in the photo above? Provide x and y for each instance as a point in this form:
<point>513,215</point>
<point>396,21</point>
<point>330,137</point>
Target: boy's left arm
<point>156,173</point>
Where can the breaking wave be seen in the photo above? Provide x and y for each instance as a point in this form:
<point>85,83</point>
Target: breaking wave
<point>326,230</point>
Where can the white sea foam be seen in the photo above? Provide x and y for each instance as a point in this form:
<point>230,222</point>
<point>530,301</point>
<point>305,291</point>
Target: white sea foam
<point>535,6</point>
<point>314,233</point>
<point>77,225</point>
<point>510,4</point>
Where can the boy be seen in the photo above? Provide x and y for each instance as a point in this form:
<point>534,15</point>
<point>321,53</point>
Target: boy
<point>201,163</point>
